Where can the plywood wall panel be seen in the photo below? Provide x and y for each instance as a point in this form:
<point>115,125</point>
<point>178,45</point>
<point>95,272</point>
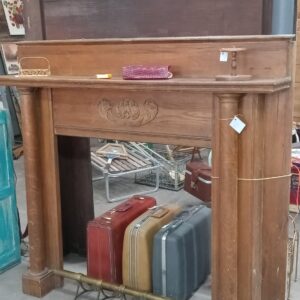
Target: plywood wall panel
<point>143,18</point>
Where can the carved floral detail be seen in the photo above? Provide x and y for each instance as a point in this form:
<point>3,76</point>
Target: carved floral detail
<point>128,112</point>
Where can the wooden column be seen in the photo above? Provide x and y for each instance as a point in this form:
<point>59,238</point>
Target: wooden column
<point>225,199</point>
<point>36,281</point>
<point>277,155</point>
<point>250,196</point>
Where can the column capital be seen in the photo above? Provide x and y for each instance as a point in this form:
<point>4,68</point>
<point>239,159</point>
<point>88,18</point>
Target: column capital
<point>26,90</point>
<point>229,97</point>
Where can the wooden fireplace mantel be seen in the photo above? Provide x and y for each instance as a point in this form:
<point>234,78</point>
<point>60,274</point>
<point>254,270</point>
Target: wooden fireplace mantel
<point>250,170</point>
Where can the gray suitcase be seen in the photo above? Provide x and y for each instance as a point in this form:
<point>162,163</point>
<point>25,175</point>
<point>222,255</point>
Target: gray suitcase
<point>181,254</point>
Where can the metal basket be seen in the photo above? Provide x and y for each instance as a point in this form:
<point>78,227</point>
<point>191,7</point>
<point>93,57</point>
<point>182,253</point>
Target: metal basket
<point>45,71</point>
<point>172,168</point>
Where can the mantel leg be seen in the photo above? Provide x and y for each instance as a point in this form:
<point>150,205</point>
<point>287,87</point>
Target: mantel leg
<point>36,281</point>
<point>225,199</point>
<point>250,196</point>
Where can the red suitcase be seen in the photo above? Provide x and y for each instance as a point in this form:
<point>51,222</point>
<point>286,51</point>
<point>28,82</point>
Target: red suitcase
<point>198,180</point>
<point>105,238</point>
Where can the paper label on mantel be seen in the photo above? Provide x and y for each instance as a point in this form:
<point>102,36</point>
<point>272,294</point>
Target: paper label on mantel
<point>223,56</point>
<point>237,124</point>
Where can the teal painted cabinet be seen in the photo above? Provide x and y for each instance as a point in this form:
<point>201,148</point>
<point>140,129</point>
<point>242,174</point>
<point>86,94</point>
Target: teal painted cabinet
<point>9,232</point>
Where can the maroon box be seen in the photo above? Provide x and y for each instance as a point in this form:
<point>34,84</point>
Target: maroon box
<point>141,72</point>
<point>105,236</point>
<point>198,180</point>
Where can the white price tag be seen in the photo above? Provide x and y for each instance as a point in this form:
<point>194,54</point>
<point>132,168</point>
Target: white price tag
<point>223,56</point>
<point>237,124</point>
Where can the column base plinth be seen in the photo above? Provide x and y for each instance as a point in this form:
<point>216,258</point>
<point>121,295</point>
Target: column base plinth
<point>39,285</point>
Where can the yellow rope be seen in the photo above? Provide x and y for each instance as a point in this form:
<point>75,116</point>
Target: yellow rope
<point>259,179</point>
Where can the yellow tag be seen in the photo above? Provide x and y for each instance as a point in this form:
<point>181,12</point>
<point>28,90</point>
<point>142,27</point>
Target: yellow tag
<point>104,76</point>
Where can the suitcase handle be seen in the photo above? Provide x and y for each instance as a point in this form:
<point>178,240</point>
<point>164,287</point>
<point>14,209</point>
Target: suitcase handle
<point>160,212</point>
<point>193,183</point>
<point>124,207</point>
<point>203,180</point>
<point>182,217</point>
<point>152,213</point>
<point>188,212</point>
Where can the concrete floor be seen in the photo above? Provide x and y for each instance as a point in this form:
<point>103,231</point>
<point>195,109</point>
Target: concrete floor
<point>10,281</point>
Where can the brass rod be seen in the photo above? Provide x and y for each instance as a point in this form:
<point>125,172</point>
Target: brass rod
<point>106,285</point>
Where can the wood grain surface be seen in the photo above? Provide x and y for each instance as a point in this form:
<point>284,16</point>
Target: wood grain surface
<point>188,57</point>
<point>250,204</point>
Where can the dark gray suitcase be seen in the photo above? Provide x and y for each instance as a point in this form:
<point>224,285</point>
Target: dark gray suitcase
<point>181,254</point>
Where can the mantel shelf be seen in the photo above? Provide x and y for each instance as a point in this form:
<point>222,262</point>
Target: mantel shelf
<point>201,84</point>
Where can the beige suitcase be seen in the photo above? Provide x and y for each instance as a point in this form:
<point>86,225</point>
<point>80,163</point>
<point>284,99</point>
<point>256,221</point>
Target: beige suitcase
<point>138,243</point>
